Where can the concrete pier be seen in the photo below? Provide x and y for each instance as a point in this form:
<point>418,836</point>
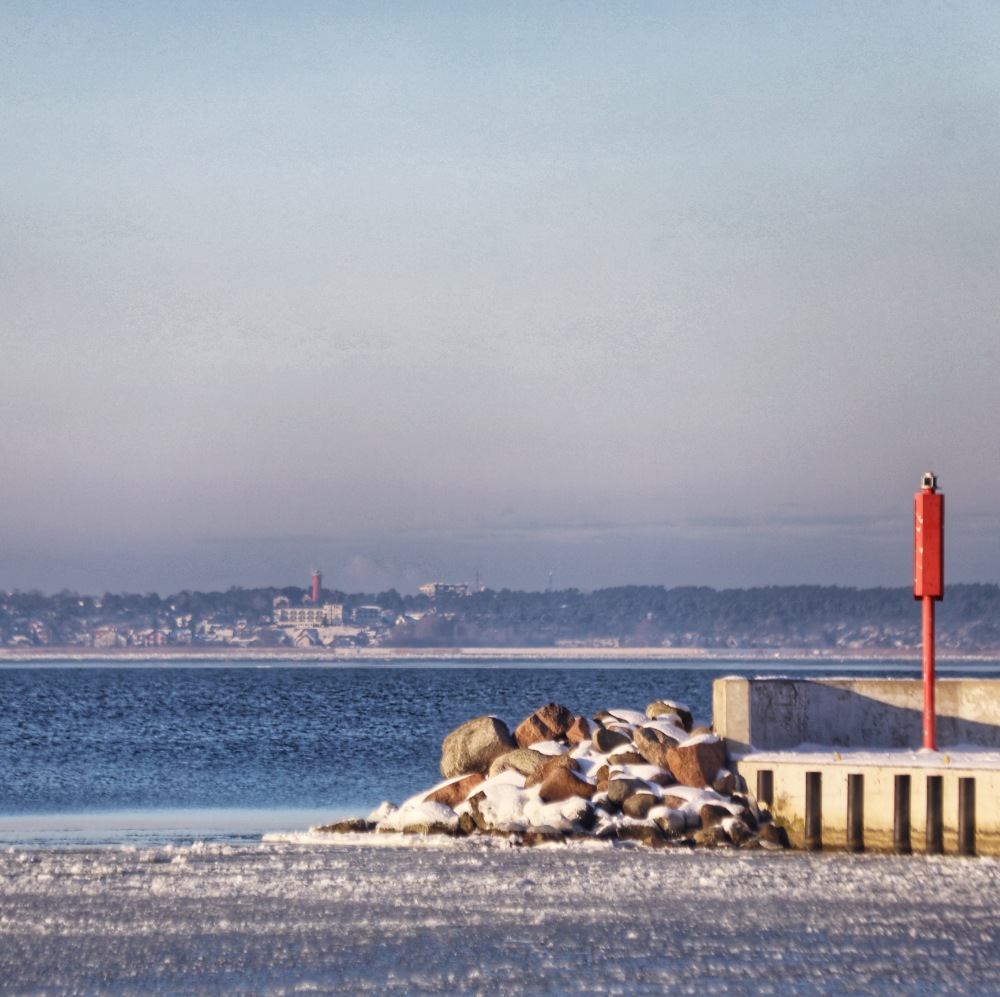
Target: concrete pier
<point>840,739</point>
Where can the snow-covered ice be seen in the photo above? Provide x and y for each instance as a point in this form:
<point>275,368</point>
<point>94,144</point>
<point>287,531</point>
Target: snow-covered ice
<point>394,915</point>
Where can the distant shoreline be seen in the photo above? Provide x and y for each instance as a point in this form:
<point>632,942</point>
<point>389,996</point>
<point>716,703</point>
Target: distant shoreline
<point>472,655</point>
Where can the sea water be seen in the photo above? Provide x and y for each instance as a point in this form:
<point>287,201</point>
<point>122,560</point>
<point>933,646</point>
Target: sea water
<point>171,753</point>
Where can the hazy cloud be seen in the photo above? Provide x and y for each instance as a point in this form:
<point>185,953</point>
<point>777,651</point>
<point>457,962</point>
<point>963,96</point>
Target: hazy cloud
<point>623,292</point>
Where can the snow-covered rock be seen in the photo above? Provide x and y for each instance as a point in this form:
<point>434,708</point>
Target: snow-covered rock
<point>421,818</point>
<point>668,708</point>
<point>637,778</point>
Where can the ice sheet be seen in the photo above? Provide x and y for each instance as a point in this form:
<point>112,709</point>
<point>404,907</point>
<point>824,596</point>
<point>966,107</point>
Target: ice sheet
<point>485,918</point>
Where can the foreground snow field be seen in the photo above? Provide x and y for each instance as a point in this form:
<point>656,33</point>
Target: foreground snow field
<point>299,916</point>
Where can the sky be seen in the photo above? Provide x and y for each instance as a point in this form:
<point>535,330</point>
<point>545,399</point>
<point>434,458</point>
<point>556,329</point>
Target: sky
<point>568,293</point>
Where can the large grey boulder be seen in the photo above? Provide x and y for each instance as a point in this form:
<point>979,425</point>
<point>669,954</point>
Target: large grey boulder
<point>473,746</point>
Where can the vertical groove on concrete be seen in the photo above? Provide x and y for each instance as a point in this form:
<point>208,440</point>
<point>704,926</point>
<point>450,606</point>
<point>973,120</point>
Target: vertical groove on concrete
<point>765,786</point>
<point>855,813</point>
<point>967,816</point>
<point>814,811</point>
<point>901,843</point>
<point>935,833</point>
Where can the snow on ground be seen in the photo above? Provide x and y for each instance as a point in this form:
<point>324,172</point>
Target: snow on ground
<point>442,917</point>
<point>958,757</point>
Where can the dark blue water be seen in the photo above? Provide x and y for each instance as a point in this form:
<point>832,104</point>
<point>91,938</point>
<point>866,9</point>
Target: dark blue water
<point>77,739</point>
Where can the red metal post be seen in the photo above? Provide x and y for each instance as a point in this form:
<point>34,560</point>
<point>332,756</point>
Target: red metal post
<point>928,583</point>
<point>930,734</point>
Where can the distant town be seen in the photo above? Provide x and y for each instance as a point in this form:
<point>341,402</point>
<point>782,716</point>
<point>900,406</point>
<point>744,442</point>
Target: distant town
<point>450,615</point>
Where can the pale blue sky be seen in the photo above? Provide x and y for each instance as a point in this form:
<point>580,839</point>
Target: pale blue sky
<point>675,293</point>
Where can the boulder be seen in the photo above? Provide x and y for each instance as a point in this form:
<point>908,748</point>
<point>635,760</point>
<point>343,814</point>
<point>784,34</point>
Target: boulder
<point>582,814</point>
<point>630,718</point>
<point>473,746</point>
<point>638,805</point>
<point>620,789</point>
<point>697,761</point>
<point>561,784</point>
<point>545,724</point>
<point>772,836</point>
<point>454,792</point>
<point>550,765</point>
<point>712,814</point>
<point>349,826</point>
<point>607,740</point>
<point>542,836</point>
<point>478,817</point>
<point>579,731</point>
<point>663,778</point>
<point>653,745</point>
<point>531,730</point>
<point>671,822</point>
<point>724,783</point>
<point>737,830</point>
<point>746,814</point>
<point>712,837</point>
<point>523,760</point>
<point>666,708</point>
<point>421,818</point>
<point>646,834</point>
<point>626,756</point>
<point>747,801</point>
<point>429,827</point>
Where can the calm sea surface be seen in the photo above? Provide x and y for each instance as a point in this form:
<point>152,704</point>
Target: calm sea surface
<point>118,753</point>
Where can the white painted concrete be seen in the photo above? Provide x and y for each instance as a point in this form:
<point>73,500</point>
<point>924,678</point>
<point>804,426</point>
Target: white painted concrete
<point>780,713</point>
<point>789,807</point>
<point>868,727</point>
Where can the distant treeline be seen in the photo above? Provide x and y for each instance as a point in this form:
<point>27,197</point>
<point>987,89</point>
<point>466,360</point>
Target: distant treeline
<point>810,616</point>
<point>807,616</point>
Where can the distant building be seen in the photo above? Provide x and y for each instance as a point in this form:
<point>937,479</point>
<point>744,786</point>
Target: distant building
<point>367,615</point>
<point>327,615</point>
<point>109,637</point>
<point>434,590</point>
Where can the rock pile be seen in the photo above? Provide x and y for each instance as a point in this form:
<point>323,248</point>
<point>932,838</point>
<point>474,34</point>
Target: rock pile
<point>624,775</point>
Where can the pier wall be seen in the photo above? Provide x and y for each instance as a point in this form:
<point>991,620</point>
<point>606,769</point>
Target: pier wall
<point>788,776</point>
<point>802,746</point>
<point>773,714</point>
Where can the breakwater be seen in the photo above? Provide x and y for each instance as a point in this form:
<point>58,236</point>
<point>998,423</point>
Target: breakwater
<point>624,775</point>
